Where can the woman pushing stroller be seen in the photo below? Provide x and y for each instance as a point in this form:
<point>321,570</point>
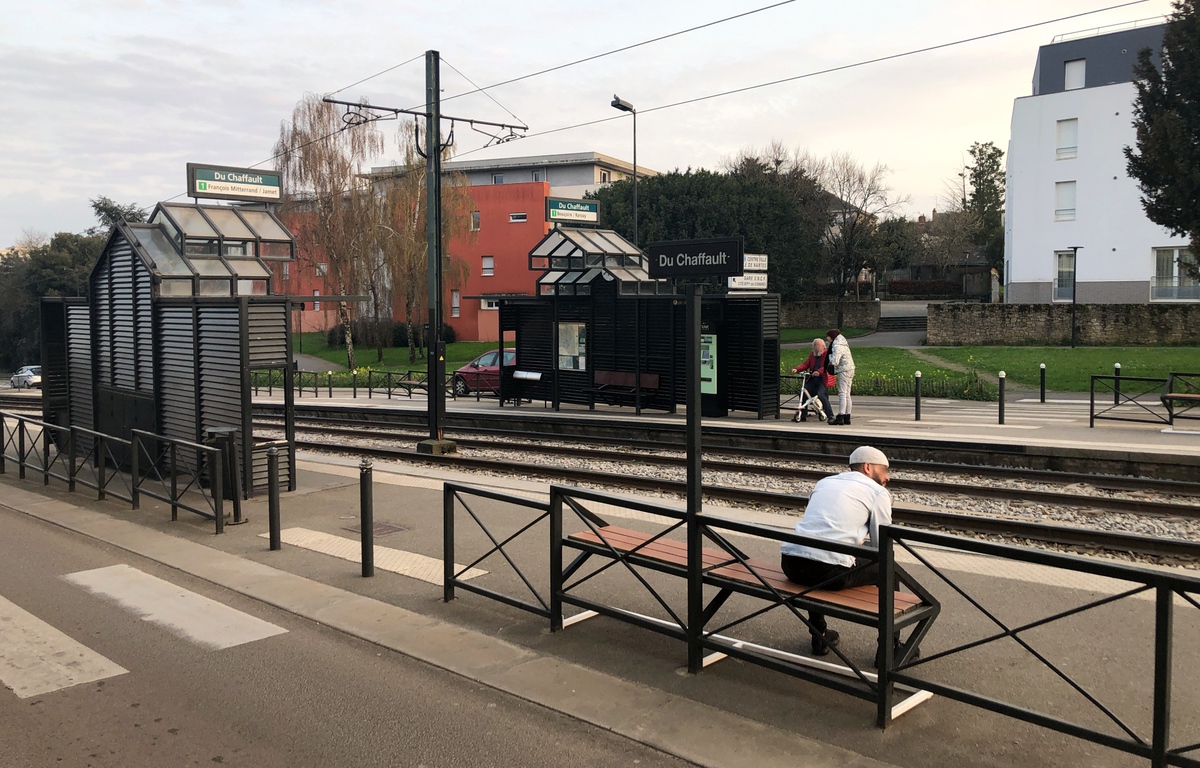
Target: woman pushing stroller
<point>819,381</point>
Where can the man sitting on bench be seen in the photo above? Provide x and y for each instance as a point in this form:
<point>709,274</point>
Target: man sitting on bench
<point>848,507</point>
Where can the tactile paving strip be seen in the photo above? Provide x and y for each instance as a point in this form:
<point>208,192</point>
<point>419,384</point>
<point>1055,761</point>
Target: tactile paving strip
<point>386,559</point>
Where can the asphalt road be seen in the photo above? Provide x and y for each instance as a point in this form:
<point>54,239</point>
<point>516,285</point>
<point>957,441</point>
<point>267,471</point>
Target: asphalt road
<point>307,696</point>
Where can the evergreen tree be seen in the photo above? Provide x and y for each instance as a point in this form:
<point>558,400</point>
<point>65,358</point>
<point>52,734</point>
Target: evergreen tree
<point>109,212</point>
<point>1166,163</point>
<point>986,200</point>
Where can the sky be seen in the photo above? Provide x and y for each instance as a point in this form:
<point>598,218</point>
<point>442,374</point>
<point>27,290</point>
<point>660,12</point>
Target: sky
<point>114,97</point>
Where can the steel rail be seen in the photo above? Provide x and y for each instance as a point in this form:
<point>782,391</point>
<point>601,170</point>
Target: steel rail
<point>1039,496</point>
<point>1039,532</point>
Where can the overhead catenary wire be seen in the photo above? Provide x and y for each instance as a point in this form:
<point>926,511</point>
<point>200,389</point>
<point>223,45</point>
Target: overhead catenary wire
<point>828,70</point>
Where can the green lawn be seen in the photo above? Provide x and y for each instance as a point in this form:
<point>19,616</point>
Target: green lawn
<point>889,372</point>
<point>1070,370</point>
<point>458,354</point>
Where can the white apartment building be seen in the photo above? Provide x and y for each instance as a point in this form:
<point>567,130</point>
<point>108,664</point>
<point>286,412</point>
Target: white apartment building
<point>1074,224</point>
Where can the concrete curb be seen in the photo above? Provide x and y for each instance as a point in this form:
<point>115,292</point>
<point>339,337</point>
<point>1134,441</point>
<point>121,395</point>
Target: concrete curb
<point>678,726</point>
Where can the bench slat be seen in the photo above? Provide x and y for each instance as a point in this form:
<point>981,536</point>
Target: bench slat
<point>863,598</point>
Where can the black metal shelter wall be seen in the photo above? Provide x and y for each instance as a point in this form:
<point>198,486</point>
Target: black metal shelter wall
<point>267,347</point>
<point>750,352</point>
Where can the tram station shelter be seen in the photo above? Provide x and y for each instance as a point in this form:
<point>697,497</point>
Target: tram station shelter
<point>179,312</point>
<point>598,312</point>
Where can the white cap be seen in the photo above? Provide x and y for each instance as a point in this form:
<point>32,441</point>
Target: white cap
<point>865,454</point>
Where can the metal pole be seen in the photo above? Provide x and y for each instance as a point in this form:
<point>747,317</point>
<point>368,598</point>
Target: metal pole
<point>433,232</point>
<point>695,490</point>
<point>273,497</point>
<point>448,545</point>
<point>917,391</point>
<point>367,518</point>
<point>354,383</point>
<point>1002,397</point>
<point>1163,628</point>
<point>1074,288</point>
<point>1116,383</point>
<point>1043,374</point>
<point>329,383</point>
<point>635,175</point>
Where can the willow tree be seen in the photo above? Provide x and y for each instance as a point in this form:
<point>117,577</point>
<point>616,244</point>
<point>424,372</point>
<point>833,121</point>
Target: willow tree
<point>402,238</point>
<point>325,164</point>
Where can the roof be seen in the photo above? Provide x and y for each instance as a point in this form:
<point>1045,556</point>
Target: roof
<point>570,256</point>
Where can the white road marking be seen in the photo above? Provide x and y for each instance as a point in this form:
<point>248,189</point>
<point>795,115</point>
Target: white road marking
<point>393,560</point>
<point>186,614</point>
<point>36,658</point>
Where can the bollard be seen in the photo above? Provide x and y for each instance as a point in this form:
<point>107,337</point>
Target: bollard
<point>367,515</point>
<point>329,382</point>
<point>1001,397</point>
<point>1043,382</point>
<point>917,397</point>
<point>354,383</point>
<point>273,497</point>
<point>1116,383</point>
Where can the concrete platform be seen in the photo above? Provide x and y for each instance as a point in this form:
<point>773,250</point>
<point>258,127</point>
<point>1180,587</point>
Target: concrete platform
<point>631,681</point>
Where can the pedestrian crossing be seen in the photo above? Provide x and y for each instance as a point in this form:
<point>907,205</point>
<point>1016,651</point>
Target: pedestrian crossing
<point>37,658</point>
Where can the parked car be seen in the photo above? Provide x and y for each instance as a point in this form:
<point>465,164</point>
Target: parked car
<point>29,376</point>
<point>483,373</point>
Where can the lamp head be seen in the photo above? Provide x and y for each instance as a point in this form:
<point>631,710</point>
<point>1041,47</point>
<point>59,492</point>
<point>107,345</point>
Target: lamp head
<point>622,105</point>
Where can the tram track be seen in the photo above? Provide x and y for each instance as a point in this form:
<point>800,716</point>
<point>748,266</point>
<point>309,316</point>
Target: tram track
<point>970,489</point>
<point>1010,528</point>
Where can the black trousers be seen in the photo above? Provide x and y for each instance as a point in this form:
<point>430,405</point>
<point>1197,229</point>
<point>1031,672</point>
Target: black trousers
<point>813,573</point>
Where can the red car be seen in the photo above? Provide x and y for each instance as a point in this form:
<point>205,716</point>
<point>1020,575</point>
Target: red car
<point>483,373</point>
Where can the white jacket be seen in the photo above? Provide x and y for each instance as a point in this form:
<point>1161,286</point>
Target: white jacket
<point>839,354</point>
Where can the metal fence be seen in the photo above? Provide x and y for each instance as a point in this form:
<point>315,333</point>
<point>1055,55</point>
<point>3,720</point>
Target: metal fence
<point>186,475</point>
<point>1128,403</point>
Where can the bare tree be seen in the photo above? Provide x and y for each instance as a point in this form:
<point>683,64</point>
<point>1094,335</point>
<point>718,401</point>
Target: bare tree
<point>858,196</point>
<point>324,163</point>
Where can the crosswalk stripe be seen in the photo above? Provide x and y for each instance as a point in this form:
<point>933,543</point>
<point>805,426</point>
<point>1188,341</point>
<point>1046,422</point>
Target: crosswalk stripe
<point>184,613</point>
<point>36,658</point>
<point>398,561</point>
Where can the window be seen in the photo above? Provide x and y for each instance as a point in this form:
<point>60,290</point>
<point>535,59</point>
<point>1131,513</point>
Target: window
<point>322,269</point>
<point>287,272</point>
<point>455,303</point>
<point>474,221</point>
<point>489,266</point>
<point>517,218</point>
<point>1064,284</point>
<point>316,304</point>
<point>1064,201</point>
<point>490,304</point>
<point>572,346</point>
<point>497,178</point>
<point>1066,139</point>
<point>539,175</point>
<point>1174,270</point>
<point>1074,74</point>
<point>605,177</point>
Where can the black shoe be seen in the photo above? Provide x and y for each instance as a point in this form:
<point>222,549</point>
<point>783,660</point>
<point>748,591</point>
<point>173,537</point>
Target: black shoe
<point>822,644</point>
<point>846,420</point>
<point>804,416</point>
<point>837,420</point>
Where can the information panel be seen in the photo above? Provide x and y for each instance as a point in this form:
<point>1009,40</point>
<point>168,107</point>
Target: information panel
<point>223,182</point>
<point>696,258</point>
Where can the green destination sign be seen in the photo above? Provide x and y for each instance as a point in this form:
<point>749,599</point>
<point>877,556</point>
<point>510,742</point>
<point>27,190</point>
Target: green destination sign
<point>228,183</point>
<point>564,209</point>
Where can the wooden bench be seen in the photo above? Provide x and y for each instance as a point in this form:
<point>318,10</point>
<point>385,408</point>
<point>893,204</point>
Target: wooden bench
<point>1180,401</point>
<point>859,605</point>
<point>620,387</point>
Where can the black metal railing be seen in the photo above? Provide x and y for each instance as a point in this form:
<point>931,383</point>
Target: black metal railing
<point>180,473</point>
<point>395,382</point>
<point>1152,741</point>
<point>456,496</point>
<point>1126,405</point>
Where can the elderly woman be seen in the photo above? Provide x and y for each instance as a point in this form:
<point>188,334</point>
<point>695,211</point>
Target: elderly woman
<point>843,366</point>
<point>819,382</point>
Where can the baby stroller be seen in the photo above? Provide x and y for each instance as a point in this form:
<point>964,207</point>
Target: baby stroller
<point>808,400</point>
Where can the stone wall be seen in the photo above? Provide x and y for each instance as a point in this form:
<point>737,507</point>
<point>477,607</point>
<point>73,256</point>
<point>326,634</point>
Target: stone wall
<point>823,314</point>
<point>1050,324</point>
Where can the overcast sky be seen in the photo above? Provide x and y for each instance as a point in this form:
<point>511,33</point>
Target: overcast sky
<point>114,97</point>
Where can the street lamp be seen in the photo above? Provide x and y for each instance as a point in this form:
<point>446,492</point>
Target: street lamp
<point>1074,287</point>
<point>625,106</point>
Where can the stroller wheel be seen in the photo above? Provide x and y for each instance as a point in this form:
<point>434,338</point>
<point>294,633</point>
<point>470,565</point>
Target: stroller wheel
<point>821,415</point>
<point>795,417</point>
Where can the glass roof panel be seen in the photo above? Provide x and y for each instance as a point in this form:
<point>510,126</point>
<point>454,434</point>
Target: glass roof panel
<point>210,268</point>
<point>550,277</point>
<point>618,243</point>
<point>248,268</point>
<point>547,245</point>
<point>600,244</point>
<point>161,251</point>
<point>230,225</point>
<point>570,277</point>
<point>264,225</point>
<point>191,221</point>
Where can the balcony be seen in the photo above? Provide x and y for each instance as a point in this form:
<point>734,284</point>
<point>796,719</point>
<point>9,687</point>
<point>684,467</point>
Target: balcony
<point>1174,289</point>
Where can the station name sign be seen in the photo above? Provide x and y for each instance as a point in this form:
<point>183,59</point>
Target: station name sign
<point>696,258</point>
<point>222,182</point>
<point>564,209</point>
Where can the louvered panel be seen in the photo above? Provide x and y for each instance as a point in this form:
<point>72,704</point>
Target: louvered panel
<point>532,325</point>
<point>79,369</point>
<point>176,356</point>
<point>259,468</point>
<point>219,368</point>
<point>143,329</point>
<point>124,341</point>
<point>268,329</point>
<point>102,298</point>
